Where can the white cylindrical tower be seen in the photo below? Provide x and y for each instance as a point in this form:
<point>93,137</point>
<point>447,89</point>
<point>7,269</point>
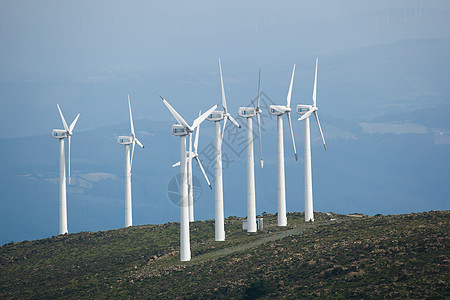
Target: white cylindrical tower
<point>218,187</point>
<point>185,251</point>
<point>282,221</point>
<point>251,202</point>
<point>62,190</point>
<point>190,185</point>
<point>128,208</point>
<point>309,214</point>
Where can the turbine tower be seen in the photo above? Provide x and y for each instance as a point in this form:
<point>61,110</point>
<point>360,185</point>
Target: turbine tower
<point>279,111</point>
<point>127,140</point>
<point>216,117</point>
<point>182,129</point>
<point>249,113</point>
<point>61,134</point>
<point>306,111</point>
<point>190,155</point>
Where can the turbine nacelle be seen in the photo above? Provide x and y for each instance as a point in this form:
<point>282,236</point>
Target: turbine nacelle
<point>306,111</point>
<point>59,133</point>
<point>186,129</point>
<point>247,112</point>
<point>125,140</point>
<point>277,110</point>
<point>179,130</point>
<point>303,109</point>
<point>216,116</point>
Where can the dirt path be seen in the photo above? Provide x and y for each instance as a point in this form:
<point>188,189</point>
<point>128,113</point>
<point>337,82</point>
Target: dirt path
<point>270,238</point>
<point>151,269</point>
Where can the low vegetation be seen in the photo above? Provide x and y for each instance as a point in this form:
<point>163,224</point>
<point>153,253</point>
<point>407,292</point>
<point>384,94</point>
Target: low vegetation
<point>399,256</point>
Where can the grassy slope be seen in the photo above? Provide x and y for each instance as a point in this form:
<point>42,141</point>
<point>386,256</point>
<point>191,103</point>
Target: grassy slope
<point>395,256</point>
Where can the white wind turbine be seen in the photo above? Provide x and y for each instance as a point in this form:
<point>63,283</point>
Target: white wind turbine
<point>190,155</point>
<point>216,117</point>
<point>249,113</point>
<point>182,129</point>
<point>61,134</point>
<point>279,111</point>
<point>127,140</point>
<point>307,111</point>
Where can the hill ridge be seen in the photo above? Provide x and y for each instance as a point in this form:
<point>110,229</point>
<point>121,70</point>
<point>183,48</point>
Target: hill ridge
<point>404,256</point>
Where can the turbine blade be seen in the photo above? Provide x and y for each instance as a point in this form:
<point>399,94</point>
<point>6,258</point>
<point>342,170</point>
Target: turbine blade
<point>234,121</point>
<point>259,137</point>
<point>133,134</point>
<point>196,135</point>
<point>320,129</point>
<point>189,170</point>
<point>190,147</point>
<point>131,117</point>
<point>132,154</point>
<point>176,115</point>
<point>68,154</point>
<point>306,115</point>
<point>292,135</point>
<point>315,84</point>
<point>203,171</point>
<point>224,100</point>
<point>259,84</point>
<point>138,142</point>
<point>62,118</point>
<point>289,95</point>
<point>73,123</point>
<point>224,124</point>
<point>176,164</point>
<point>203,117</point>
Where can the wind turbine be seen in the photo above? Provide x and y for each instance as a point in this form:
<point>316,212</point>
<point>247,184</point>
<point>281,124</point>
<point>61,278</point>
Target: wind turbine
<point>190,156</point>
<point>307,111</point>
<point>279,111</point>
<point>182,129</point>
<point>216,117</point>
<point>127,140</point>
<point>61,134</point>
<point>249,113</point>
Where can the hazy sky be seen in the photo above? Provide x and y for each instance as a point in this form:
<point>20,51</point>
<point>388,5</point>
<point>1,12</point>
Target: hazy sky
<point>87,55</point>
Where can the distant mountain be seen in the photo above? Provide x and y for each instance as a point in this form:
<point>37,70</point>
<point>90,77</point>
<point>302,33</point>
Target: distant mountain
<point>338,256</point>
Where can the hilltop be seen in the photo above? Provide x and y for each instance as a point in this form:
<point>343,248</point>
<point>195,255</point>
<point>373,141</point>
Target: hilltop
<point>338,256</point>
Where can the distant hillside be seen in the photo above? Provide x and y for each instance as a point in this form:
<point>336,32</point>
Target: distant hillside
<point>397,256</point>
